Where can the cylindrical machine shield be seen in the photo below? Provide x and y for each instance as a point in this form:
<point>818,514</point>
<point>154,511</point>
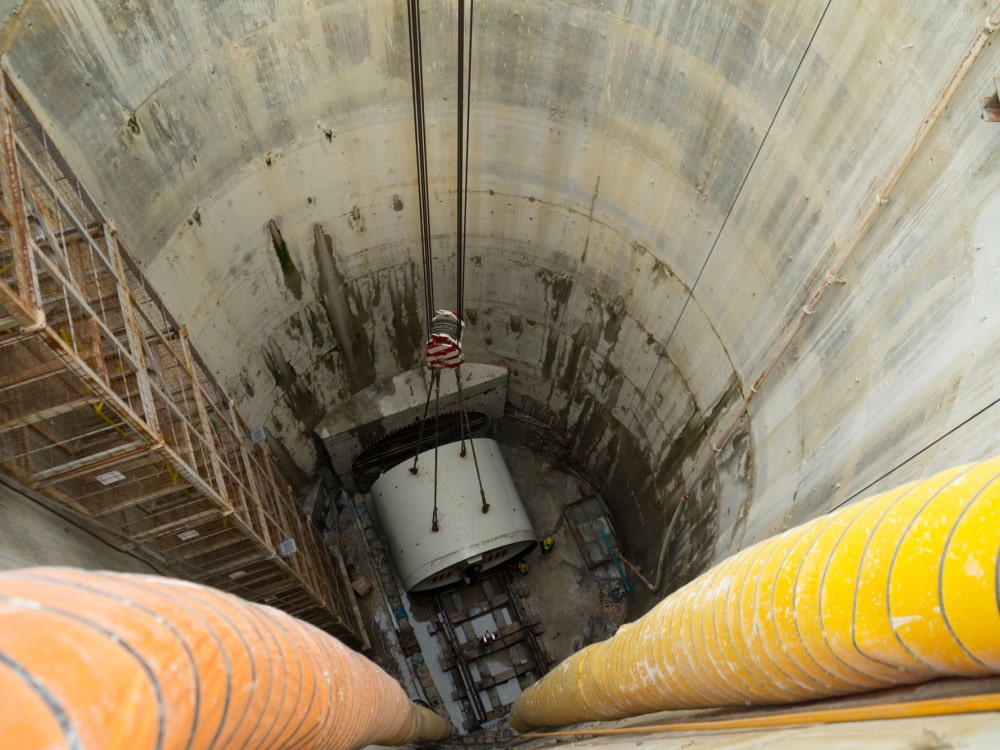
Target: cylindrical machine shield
<point>468,542</point>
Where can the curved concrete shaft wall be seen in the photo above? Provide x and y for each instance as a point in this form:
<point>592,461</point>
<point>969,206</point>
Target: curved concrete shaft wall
<point>656,192</point>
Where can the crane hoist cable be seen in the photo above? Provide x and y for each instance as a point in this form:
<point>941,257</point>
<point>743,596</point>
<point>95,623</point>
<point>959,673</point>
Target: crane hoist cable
<point>420,136</point>
<point>466,428</point>
<point>464,120</point>
<point>464,112</point>
<point>444,327</point>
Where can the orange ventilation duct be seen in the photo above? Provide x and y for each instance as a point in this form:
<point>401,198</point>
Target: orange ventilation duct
<point>896,589</point>
<point>106,660</point>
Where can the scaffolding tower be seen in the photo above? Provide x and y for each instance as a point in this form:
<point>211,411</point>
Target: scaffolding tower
<point>106,409</point>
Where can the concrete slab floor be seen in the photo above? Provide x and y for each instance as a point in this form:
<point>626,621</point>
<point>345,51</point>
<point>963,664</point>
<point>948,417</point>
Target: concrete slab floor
<point>578,605</point>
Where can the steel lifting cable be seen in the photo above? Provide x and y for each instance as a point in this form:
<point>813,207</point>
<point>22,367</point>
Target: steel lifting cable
<point>435,375</point>
<point>420,135</point>
<point>465,426</point>
<point>444,328</point>
<point>464,119</point>
<point>437,426</point>
<point>417,83</point>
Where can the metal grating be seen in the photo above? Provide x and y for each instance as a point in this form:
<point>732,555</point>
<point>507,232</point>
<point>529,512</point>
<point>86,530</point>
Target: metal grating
<point>107,410</point>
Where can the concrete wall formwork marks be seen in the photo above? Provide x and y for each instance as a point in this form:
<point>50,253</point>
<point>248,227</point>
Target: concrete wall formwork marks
<point>656,191</point>
<point>892,359</point>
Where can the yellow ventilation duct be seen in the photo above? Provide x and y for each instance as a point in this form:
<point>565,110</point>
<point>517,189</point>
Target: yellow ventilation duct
<point>895,589</point>
<point>104,660</point>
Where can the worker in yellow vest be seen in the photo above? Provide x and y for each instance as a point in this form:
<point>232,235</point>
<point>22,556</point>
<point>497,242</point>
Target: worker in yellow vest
<point>547,544</point>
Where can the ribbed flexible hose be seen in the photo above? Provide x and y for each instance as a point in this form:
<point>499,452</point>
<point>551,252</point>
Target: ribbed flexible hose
<point>105,660</point>
<point>896,589</point>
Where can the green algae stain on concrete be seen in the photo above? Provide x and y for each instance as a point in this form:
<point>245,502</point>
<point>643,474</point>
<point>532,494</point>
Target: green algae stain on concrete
<point>290,274</point>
